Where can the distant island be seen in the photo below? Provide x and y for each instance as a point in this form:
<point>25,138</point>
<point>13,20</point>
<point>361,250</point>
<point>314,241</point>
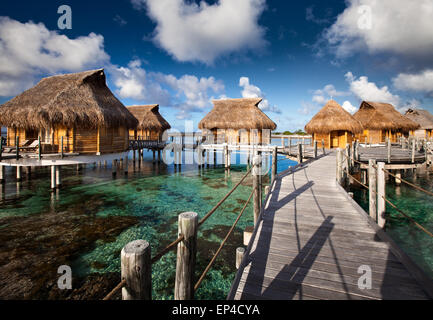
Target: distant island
<point>288,133</point>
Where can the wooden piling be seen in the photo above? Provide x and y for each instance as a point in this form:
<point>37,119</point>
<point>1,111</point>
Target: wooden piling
<point>19,173</point>
<point>413,151</point>
<point>239,256</point>
<point>2,174</point>
<point>186,256</point>
<point>126,165</point>
<point>256,187</point>
<point>136,270</point>
<point>381,205</point>
<point>372,189</point>
<point>58,177</point>
<point>61,147</point>
<point>114,167</point>
<point>17,147</point>
<point>53,177</point>
<point>389,150</point>
<point>274,164</point>
<point>323,146</point>
<point>398,177</point>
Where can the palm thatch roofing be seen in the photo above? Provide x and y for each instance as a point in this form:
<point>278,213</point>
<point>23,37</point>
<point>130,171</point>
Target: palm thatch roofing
<point>149,118</point>
<point>237,114</point>
<point>332,117</point>
<point>73,100</point>
<point>422,117</point>
<point>383,116</point>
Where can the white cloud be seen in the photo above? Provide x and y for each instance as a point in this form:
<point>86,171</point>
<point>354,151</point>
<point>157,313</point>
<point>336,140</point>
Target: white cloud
<point>349,107</point>
<point>421,82</point>
<point>201,32</point>
<point>28,50</point>
<point>369,91</point>
<point>194,93</point>
<point>251,91</point>
<point>397,26</point>
<point>187,93</point>
<point>321,96</point>
<point>307,108</point>
<point>134,82</point>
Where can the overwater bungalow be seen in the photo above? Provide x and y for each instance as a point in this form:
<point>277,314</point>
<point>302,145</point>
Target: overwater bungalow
<point>78,107</point>
<point>238,121</point>
<point>334,125</point>
<point>382,121</point>
<point>151,125</point>
<point>425,121</point>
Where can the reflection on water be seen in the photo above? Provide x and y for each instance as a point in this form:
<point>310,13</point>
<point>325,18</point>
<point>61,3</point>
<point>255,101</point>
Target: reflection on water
<point>87,222</point>
<point>417,244</point>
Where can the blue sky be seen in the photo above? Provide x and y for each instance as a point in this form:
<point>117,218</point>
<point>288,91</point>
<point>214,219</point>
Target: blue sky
<point>181,54</point>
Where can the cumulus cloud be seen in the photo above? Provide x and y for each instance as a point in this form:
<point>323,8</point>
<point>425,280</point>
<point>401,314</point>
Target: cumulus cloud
<point>134,82</point>
<point>420,82</point>
<point>251,91</point>
<point>397,26</point>
<point>321,96</point>
<point>201,32</point>
<point>28,50</point>
<point>309,16</point>
<point>187,93</point>
<point>366,90</point>
<point>349,107</point>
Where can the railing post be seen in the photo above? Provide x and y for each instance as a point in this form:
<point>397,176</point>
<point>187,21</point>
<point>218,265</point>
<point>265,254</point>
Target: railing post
<point>39,148</point>
<point>61,147</point>
<point>299,153</point>
<point>274,164</point>
<point>239,256</point>
<point>381,205</point>
<point>186,256</point>
<point>17,145</point>
<point>413,151</point>
<point>315,149</point>
<point>256,187</point>
<point>339,158</point>
<point>136,270</point>
<point>389,150</point>
<point>372,189</point>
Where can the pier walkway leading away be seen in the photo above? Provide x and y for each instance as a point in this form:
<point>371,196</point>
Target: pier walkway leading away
<point>314,242</point>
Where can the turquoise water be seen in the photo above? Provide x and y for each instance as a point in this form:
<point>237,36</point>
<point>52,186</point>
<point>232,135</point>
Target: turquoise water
<point>418,205</point>
<point>87,222</point>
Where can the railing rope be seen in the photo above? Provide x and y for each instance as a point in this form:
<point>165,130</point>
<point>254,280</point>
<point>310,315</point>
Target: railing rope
<point>222,244</point>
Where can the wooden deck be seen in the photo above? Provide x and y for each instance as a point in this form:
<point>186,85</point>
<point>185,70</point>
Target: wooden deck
<point>311,241</point>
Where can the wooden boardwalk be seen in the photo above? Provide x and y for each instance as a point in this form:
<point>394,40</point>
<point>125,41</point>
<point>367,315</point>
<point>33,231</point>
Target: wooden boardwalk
<point>311,241</point>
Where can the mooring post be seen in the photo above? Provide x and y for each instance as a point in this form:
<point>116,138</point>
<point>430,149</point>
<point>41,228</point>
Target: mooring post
<point>256,187</point>
<point>186,256</point>
<point>299,152</point>
<point>398,177</point>
<point>315,149</point>
<point>17,145</point>
<point>1,147</point>
<point>381,205</point>
<point>58,178</point>
<point>53,177</point>
<point>239,256</point>
<point>323,146</point>
<point>225,152</point>
<point>274,164</point>
<point>372,189</point>
<point>348,162</point>
<point>126,165</point>
<point>136,270</point>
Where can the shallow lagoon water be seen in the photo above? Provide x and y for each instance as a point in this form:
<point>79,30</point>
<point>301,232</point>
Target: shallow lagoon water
<point>419,206</point>
<point>93,216</point>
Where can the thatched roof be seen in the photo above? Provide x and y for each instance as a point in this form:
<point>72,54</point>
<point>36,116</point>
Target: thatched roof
<point>237,114</point>
<point>149,117</point>
<point>383,116</point>
<point>422,117</point>
<point>73,100</point>
<point>332,117</point>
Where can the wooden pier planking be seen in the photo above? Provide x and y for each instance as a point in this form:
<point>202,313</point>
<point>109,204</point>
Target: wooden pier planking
<point>311,240</point>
